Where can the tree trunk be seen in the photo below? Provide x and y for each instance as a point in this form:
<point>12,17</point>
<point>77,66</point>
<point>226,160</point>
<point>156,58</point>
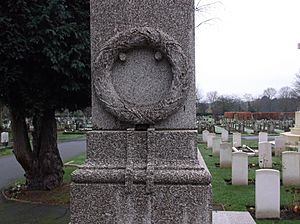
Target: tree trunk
<point>21,144</point>
<point>47,167</point>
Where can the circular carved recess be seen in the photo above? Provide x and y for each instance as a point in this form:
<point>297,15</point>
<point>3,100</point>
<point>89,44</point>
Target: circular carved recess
<point>117,50</point>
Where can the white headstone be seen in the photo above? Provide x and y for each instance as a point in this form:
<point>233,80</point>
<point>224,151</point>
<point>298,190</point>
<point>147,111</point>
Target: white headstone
<point>298,146</point>
<point>265,154</point>
<point>237,139</point>
<point>225,155</point>
<point>279,145</point>
<point>262,137</point>
<point>239,168</point>
<point>204,135</point>
<point>267,193</point>
<point>290,168</point>
<point>210,136</point>
<point>216,142</point>
<point>4,137</point>
<point>224,135</point>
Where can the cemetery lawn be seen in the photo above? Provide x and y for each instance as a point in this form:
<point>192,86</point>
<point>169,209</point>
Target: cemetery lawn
<point>239,198</point>
<point>5,151</point>
<point>61,136</point>
<point>58,196</point>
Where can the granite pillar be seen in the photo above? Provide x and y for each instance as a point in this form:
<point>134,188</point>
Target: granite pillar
<point>143,165</point>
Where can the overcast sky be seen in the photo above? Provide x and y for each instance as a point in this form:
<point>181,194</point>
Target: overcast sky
<point>250,47</point>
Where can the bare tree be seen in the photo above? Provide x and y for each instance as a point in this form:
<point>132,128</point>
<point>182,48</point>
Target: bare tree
<point>199,95</point>
<point>204,9</point>
<point>285,92</point>
<point>270,93</point>
<point>212,96</point>
<point>297,85</point>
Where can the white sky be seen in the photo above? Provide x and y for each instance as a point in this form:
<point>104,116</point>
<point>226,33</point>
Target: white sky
<point>252,46</point>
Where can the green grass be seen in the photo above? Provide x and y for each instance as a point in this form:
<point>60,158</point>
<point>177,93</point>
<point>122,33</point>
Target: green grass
<point>236,198</point>
<point>5,151</point>
<point>60,195</point>
<point>63,136</point>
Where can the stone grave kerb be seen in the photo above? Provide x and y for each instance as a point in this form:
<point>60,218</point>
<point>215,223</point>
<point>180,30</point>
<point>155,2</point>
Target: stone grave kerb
<point>143,165</point>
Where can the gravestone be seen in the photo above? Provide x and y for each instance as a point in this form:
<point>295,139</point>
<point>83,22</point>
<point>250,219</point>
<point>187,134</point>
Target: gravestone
<point>210,139</point>
<point>216,142</point>
<point>262,137</point>
<point>142,163</point>
<point>265,154</point>
<point>237,139</point>
<point>267,193</point>
<point>205,135</point>
<point>290,168</point>
<point>225,155</point>
<point>224,135</point>
<point>239,172</point>
<point>279,145</point>
<point>4,138</point>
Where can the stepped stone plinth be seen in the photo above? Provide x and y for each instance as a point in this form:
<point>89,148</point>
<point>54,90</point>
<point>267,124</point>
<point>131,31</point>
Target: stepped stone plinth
<point>293,137</point>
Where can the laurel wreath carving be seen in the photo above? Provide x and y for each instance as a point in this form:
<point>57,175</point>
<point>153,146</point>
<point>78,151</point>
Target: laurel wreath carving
<point>139,38</point>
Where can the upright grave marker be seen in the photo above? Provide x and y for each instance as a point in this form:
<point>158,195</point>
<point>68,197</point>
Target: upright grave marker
<point>225,135</point>
<point>262,137</point>
<point>205,135</point>
<point>225,155</point>
<point>267,193</point>
<point>239,175</point>
<point>4,138</point>
<point>142,164</point>
<point>265,154</point>
<point>237,139</point>
<point>216,142</point>
<point>291,168</point>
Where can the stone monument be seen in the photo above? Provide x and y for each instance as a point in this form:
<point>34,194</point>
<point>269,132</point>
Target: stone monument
<point>293,137</point>
<point>143,165</point>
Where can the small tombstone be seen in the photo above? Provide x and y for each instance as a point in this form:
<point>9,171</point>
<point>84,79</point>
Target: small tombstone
<point>290,168</point>
<point>224,135</point>
<point>265,154</point>
<point>279,145</point>
<point>209,139</point>
<point>267,194</point>
<point>205,135</point>
<point>216,142</point>
<point>225,155</point>
<point>298,146</point>
<point>239,168</point>
<point>4,138</point>
<point>262,137</point>
<point>237,139</point>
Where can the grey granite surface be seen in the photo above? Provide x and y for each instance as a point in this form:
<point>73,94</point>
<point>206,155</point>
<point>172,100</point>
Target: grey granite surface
<point>143,165</point>
<point>175,18</point>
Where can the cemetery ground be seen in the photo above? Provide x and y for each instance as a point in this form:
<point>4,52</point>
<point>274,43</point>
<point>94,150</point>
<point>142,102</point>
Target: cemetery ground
<point>58,196</point>
<point>61,136</point>
<point>242,198</point>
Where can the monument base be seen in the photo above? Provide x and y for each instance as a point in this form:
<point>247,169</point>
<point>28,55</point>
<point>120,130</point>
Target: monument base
<point>152,176</point>
<point>291,138</point>
<point>111,203</point>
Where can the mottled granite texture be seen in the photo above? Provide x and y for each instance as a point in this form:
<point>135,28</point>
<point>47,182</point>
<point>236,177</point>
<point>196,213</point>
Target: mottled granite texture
<point>168,204</point>
<point>176,19</point>
<point>129,176</point>
<point>142,163</point>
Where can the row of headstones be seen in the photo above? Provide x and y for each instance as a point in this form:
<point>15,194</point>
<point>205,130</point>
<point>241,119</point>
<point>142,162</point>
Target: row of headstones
<point>267,184</point>
<point>4,138</point>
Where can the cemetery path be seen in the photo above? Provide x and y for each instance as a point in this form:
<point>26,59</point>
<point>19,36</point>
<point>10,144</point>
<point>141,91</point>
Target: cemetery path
<point>11,169</point>
<point>25,213</point>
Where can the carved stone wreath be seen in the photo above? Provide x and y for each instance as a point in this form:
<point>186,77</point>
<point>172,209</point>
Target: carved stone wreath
<point>133,39</point>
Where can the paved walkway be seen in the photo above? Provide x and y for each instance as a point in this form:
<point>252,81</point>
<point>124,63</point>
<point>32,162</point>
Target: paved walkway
<point>24,213</point>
